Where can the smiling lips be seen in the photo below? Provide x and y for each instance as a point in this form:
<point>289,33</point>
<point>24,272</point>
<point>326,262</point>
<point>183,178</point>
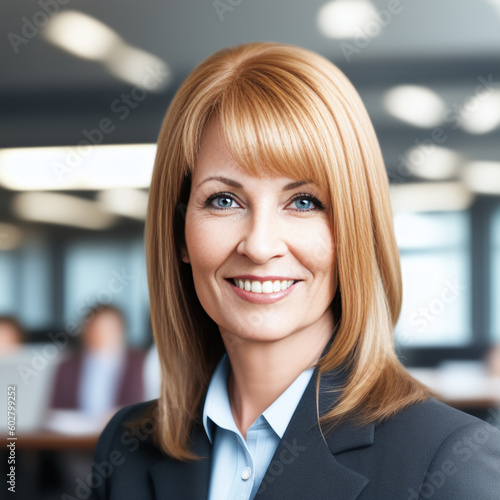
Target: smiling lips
<point>271,284</point>
<point>262,291</point>
<point>264,286</point>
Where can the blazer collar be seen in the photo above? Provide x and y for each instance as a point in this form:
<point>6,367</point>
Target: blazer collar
<point>303,466</point>
<point>185,480</point>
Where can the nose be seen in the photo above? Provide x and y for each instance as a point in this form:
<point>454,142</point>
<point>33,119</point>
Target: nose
<point>263,236</point>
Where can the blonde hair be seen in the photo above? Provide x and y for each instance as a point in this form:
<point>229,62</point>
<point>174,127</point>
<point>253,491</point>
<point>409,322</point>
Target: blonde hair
<point>283,110</point>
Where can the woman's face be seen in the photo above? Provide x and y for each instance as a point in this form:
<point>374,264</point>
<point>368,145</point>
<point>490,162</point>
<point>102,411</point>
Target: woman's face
<point>247,236</point>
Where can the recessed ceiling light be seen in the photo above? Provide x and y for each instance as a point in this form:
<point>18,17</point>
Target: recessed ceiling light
<point>128,202</point>
<point>56,208</point>
<point>482,176</point>
<point>87,37</point>
<point>81,35</point>
<point>416,105</point>
<point>430,197</point>
<point>436,164</point>
<point>482,114</point>
<point>346,18</point>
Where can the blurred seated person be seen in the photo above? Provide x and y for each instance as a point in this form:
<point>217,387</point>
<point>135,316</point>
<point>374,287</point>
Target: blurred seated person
<point>11,334</point>
<point>493,361</point>
<point>105,374</point>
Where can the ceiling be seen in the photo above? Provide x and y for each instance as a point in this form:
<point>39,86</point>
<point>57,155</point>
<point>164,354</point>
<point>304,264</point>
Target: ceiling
<point>185,32</point>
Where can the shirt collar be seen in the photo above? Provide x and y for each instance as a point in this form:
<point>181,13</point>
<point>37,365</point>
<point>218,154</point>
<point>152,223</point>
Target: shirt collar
<point>217,408</point>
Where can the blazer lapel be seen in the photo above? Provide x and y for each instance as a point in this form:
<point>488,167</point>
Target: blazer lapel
<point>304,465</point>
<point>185,480</point>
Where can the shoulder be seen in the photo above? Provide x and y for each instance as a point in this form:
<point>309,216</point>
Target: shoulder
<point>457,455</point>
<point>69,367</point>
<point>432,418</point>
<point>428,450</point>
<point>125,451</point>
<point>137,420</point>
<point>71,359</point>
<point>135,355</point>
<point>433,425</point>
<point>466,463</point>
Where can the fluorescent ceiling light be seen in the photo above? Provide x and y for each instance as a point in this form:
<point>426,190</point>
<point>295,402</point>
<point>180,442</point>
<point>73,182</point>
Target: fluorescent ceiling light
<point>128,202</point>
<point>10,236</point>
<point>56,208</point>
<point>81,35</point>
<point>482,177</point>
<point>415,105</point>
<point>437,164</point>
<point>483,115</point>
<point>80,167</point>
<point>430,197</point>
<point>346,18</point>
<point>86,37</point>
<point>138,67</point>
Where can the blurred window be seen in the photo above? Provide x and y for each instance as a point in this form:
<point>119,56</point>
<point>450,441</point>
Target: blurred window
<point>25,284</point>
<point>8,288</point>
<point>495,275</point>
<point>435,265</point>
<point>111,272</point>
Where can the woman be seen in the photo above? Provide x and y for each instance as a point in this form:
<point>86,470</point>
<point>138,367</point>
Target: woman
<point>275,285</point>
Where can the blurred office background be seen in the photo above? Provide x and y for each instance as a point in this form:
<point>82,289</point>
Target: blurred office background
<point>84,86</point>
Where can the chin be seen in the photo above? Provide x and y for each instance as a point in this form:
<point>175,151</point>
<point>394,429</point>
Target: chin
<point>257,334</point>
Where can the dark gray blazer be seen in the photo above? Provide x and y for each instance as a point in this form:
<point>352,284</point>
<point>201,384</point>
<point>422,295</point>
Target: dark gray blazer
<point>429,450</point>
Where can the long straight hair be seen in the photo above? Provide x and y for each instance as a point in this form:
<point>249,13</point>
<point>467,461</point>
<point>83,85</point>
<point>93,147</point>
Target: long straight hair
<point>287,111</point>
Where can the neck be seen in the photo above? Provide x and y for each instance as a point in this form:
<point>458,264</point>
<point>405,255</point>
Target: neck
<point>262,371</point>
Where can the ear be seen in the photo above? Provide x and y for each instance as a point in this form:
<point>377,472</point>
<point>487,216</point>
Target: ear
<point>185,254</point>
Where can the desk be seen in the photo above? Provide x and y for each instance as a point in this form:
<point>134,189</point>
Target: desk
<point>48,463</point>
<point>62,430</point>
<point>462,389</point>
<point>50,441</point>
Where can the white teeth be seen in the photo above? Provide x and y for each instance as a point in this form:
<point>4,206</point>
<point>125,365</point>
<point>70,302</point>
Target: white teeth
<point>263,287</point>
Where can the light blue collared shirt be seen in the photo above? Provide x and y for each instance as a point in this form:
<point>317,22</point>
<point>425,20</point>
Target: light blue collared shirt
<point>238,466</point>
<point>99,381</point>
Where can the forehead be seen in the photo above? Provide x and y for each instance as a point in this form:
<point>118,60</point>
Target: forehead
<point>104,317</point>
<point>7,327</point>
<point>213,151</point>
<point>215,160</point>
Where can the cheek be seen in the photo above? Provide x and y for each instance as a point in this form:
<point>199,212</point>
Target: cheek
<point>317,248</point>
<point>208,246</point>
<point>208,251</point>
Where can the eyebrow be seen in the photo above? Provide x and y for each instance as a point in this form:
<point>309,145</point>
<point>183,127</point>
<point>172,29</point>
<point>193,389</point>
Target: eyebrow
<point>235,184</point>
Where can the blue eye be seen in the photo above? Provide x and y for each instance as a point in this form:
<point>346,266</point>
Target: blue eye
<point>224,201</point>
<point>307,203</point>
<point>303,203</point>
<point>221,200</point>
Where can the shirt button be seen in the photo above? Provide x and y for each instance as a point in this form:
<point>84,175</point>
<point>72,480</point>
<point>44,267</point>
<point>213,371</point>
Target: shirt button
<point>246,473</point>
